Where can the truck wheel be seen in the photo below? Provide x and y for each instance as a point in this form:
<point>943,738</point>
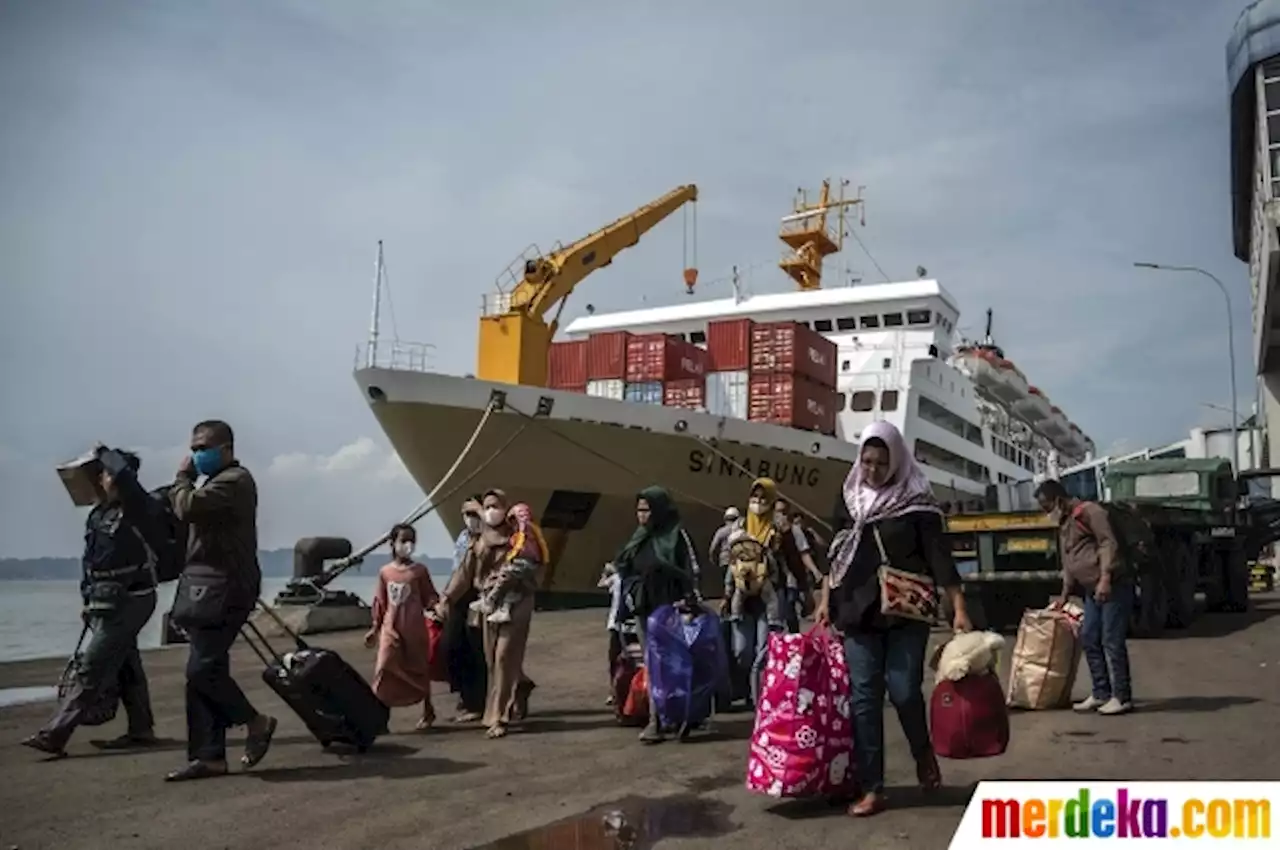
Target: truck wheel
<point>1182,573</point>
<point>1236,583</point>
<point>1151,610</point>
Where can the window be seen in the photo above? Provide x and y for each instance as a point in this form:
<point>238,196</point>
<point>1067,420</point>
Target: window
<point>919,317</point>
<point>1273,97</point>
<point>950,462</point>
<point>933,351</point>
<point>935,414</point>
<point>698,338</point>
<point>888,361</point>
<point>822,325</point>
<point>862,401</point>
<point>844,365</point>
<point>846,323</point>
<point>1273,127</point>
<point>889,400</point>
<point>893,320</point>
<point>869,321</point>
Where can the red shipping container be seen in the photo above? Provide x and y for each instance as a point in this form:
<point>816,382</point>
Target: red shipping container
<point>791,400</point>
<point>690,393</point>
<point>607,356</point>
<point>794,349</point>
<point>659,357</point>
<point>567,365</point>
<point>729,345</point>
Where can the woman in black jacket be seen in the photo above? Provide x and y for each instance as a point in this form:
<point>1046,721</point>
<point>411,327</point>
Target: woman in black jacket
<point>895,523</point>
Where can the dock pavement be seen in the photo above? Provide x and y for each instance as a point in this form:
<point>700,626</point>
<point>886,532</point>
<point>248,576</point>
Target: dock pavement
<point>1207,708</point>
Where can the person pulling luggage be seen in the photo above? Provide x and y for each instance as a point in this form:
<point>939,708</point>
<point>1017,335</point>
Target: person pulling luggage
<point>215,595</point>
<point>118,588</point>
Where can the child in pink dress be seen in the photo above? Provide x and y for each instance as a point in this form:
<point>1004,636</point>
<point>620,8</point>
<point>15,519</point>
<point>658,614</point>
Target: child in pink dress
<point>517,575</point>
<point>402,673</point>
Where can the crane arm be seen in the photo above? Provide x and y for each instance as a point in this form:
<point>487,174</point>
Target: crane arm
<point>549,279</point>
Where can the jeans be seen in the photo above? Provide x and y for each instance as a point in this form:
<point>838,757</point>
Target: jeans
<point>110,655</point>
<point>750,644</point>
<point>215,702</point>
<point>894,660</point>
<point>1102,636</point>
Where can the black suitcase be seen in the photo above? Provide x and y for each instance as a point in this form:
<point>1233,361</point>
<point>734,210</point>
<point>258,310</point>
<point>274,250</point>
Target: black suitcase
<point>333,700</point>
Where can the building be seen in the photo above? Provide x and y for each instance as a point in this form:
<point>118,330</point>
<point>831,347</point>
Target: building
<point>1253,74</point>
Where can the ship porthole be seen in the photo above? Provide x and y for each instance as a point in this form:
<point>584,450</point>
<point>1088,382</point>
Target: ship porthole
<point>682,426</point>
<point>815,448</point>
<point>376,394</point>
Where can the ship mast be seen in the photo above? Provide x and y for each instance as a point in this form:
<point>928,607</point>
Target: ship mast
<point>372,348</point>
<point>809,237</point>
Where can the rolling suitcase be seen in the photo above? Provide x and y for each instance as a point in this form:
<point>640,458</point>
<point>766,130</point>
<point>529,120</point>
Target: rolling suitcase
<point>333,700</point>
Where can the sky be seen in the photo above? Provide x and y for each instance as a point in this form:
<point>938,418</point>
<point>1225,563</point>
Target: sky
<point>193,192</point>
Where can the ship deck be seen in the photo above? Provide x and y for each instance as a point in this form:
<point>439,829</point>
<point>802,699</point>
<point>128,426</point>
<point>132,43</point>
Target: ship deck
<point>1205,699</point>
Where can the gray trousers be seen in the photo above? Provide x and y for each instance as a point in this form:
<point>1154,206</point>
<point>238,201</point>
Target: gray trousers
<point>110,656</point>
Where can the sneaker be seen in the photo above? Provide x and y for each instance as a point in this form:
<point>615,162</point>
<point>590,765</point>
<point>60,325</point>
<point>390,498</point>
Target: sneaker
<point>1114,706</point>
<point>1090,703</point>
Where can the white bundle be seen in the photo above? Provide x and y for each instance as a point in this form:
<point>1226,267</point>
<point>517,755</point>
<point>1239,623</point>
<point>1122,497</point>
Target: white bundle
<point>968,654</point>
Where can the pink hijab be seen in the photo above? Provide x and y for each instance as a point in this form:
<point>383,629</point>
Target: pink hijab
<point>907,490</point>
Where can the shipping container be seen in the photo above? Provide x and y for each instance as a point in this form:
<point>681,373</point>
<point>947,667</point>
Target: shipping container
<point>607,356</point>
<point>793,349</point>
<point>660,357</point>
<point>613,388</point>
<point>792,400</point>
<point>690,393</point>
<point>645,392</point>
<point>567,365</point>
<point>729,345</point>
<point>727,393</point>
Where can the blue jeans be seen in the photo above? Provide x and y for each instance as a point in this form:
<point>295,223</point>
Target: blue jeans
<point>750,643</point>
<point>892,660</point>
<point>1102,636</point>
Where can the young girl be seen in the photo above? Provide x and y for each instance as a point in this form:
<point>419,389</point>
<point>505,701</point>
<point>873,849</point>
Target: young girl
<point>402,674</point>
<point>516,577</point>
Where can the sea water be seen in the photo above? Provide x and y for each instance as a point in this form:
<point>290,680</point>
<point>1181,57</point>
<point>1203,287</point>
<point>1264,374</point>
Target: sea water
<point>41,619</point>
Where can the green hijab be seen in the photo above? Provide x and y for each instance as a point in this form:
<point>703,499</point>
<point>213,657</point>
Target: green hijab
<point>663,528</point>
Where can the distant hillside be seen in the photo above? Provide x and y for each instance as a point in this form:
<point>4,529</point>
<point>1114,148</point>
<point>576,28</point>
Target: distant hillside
<point>276,563</point>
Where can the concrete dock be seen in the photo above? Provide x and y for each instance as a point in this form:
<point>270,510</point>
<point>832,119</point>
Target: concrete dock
<point>1207,708</point>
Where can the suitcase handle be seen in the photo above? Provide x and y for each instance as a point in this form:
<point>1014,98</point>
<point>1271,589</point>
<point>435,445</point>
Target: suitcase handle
<point>297,639</point>
<point>262,656</point>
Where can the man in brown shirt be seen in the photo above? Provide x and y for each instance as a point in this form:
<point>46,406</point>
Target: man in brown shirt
<point>1092,564</point>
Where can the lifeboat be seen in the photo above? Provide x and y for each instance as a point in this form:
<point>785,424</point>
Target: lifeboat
<point>1055,425</point>
<point>1013,386</point>
<point>1033,407</point>
<point>1075,442</point>
<point>993,374</point>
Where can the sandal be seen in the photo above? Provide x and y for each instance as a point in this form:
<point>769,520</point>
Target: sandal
<point>498,730</point>
<point>43,743</point>
<point>468,717</point>
<point>870,804</point>
<point>195,769</point>
<point>257,744</point>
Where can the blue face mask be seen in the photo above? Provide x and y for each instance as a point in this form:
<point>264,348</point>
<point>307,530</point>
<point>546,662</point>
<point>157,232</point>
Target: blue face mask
<point>207,461</point>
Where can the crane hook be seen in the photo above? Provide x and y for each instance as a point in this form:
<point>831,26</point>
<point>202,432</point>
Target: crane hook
<point>691,268</point>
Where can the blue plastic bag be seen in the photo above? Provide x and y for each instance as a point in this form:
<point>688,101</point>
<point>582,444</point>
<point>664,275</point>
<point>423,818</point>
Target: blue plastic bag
<point>687,664</point>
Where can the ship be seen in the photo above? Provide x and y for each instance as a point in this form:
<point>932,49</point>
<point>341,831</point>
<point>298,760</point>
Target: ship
<point>578,447</point>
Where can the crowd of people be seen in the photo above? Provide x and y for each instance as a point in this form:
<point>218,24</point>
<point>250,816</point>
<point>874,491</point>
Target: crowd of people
<point>778,570</point>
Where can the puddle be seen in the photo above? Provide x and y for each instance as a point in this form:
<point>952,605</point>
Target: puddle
<point>633,823</point>
<point>23,696</point>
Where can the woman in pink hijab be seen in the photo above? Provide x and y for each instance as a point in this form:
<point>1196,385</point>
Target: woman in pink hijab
<point>895,523</point>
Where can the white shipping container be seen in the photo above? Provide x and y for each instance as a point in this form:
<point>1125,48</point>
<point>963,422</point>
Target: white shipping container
<point>607,388</point>
<point>727,394</point>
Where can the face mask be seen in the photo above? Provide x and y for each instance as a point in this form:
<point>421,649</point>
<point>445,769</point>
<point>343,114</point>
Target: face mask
<point>757,507</point>
<point>493,517</point>
<point>207,461</point>
<point>404,550</point>
<point>1055,516</point>
<point>473,523</point>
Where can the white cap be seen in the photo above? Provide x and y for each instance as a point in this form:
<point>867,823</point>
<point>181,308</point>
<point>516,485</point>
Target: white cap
<point>731,513</point>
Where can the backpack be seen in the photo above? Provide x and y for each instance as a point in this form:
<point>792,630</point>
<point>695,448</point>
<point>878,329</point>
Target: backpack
<point>748,565</point>
<point>1134,538</point>
<point>170,545</point>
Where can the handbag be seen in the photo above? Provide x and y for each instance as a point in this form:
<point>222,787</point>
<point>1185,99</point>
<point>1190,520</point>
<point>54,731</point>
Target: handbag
<point>107,700</point>
<point>202,598</point>
<point>904,594</point>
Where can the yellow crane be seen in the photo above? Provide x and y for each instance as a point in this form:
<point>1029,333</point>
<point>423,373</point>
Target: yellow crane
<point>515,334</point>
<point>809,236</point>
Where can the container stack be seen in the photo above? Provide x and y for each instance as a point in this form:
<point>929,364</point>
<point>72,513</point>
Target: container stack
<point>664,369</point>
<point>729,359</point>
<point>792,377</point>
<point>567,366</point>
<point>606,364</point>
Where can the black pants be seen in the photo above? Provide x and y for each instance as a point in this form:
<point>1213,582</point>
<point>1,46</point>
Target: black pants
<point>215,702</point>
<point>468,676</point>
<point>110,657</point>
<point>615,650</point>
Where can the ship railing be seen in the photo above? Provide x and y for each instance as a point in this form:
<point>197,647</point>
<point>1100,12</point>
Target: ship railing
<point>808,224</point>
<point>397,355</point>
<point>513,274</point>
<point>495,304</point>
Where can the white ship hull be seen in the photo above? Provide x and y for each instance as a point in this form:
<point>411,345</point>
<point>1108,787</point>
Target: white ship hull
<point>580,466</point>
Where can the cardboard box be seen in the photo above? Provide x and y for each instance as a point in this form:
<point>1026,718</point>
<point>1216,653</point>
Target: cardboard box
<point>80,477</point>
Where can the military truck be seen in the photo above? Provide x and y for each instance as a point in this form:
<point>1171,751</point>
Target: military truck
<point>1186,528</point>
